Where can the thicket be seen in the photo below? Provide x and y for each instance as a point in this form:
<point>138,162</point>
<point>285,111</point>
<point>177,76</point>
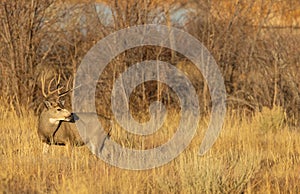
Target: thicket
<point>259,61</point>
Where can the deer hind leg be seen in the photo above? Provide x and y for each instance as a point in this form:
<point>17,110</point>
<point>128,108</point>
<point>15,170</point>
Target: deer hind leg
<point>92,147</point>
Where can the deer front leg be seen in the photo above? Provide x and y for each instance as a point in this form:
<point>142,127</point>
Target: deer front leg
<point>45,148</point>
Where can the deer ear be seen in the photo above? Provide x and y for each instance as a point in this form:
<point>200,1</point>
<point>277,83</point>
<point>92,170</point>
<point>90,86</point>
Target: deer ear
<point>62,102</point>
<point>47,104</point>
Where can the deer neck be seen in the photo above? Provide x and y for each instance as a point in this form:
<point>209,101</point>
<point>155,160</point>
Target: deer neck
<point>48,123</point>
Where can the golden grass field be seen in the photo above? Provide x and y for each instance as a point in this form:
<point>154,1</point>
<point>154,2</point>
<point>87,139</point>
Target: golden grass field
<point>255,44</point>
<point>258,155</point>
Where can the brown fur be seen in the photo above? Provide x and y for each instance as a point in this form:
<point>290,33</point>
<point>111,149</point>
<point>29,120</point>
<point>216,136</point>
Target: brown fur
<point>57,126</point>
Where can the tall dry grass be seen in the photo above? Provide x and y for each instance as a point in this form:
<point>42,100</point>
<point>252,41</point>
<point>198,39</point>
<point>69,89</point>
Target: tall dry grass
<point>246,158</point>
<point>258,148</point>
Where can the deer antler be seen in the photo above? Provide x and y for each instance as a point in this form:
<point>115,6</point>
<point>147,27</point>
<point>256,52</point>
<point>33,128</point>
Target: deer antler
<point>49,92</point>
<point>67,89</point>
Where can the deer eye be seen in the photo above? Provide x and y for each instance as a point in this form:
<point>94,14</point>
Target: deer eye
<point>58,109</point>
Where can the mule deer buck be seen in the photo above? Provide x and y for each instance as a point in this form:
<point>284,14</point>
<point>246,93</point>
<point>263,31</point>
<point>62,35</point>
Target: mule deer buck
<point>57,125</point>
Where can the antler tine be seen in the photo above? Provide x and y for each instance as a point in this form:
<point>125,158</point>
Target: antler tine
<point>68,83</point>
<point>58,80</point>
<point>54,91</point>
<point>67,89</point>
<point>43,85</point>
<point>49,85</point>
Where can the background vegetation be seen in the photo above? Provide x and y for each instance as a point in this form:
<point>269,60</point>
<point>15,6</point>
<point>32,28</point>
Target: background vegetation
<point>256,45</point>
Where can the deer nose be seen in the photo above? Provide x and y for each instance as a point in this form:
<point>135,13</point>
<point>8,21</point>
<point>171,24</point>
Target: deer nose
<point>74,117</point>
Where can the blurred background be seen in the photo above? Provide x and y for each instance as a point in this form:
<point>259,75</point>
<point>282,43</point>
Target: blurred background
<point>255,44</point>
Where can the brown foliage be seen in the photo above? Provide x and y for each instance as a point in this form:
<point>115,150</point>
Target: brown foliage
<point>258,62</point>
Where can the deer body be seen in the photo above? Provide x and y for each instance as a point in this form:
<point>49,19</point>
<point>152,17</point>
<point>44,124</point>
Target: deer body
<point>58,126</point>
<point>55,126</point>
